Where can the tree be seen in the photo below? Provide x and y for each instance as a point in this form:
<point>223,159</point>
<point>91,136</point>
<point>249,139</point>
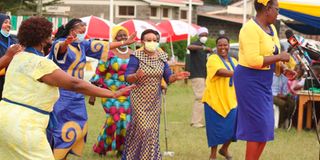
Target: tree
<point>24,5</point>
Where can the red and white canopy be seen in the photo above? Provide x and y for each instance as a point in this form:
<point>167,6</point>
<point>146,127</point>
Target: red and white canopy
<point>178,30</point>
<point>139,26</point>
<point>97,27</point>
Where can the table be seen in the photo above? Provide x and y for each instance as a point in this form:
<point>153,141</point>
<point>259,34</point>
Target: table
<point>177,66</point>
<point>303,99</point>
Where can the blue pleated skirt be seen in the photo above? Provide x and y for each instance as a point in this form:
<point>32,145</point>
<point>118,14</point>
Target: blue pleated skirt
<point>255,117</point>
<point>219,129</point>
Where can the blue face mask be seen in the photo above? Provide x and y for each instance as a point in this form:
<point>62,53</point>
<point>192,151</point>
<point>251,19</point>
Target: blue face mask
<point>80,37</point>
<point>5,33</point>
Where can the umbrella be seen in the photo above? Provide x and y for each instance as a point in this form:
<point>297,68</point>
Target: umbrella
<point>139,26</point>
<point>97,27</point>
<point>178,30</point>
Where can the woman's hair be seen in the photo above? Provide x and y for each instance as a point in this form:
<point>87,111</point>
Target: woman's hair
<point>64,30</point>
<point>147,31</point>
<point>34,30</point>
<point>222,37</point>
<point>259,6</point>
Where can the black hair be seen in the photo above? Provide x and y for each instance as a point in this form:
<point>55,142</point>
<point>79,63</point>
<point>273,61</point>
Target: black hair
<point>259,6</point>
<point>222,37</point>
<point>64,30</point>
<point>147,31</point>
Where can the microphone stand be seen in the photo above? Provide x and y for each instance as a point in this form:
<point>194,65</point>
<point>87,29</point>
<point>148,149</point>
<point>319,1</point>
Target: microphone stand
<point>311,73</point>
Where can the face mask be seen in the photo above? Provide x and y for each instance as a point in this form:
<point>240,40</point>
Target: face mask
<point>123,47</point>
<point>80,37</point>
<point>151,46</point>
<point>203,39</point>
<point>5,33</point>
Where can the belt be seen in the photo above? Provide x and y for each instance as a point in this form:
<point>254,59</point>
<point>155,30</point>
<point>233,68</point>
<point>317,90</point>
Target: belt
<point>27,106</point>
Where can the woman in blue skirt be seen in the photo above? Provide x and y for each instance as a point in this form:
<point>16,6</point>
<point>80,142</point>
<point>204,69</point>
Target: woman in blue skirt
<point>220,100</point>
<point>259,57</point>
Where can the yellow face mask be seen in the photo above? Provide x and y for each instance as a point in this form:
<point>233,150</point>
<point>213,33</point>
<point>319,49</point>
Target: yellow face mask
<point>264,2</point>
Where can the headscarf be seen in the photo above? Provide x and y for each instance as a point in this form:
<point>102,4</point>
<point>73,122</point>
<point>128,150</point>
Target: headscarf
<point>116,30</point>
<point>3,17</point>
<point>264,2</point>
<point>202,30</point>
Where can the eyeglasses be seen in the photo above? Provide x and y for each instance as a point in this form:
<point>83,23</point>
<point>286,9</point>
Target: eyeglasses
<point>277,8</point>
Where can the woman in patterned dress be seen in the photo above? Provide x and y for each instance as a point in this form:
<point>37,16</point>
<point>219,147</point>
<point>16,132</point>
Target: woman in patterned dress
<point>110,74</point>
<point>31,92</point>
<point>69,116</point>
<point>146,68</point>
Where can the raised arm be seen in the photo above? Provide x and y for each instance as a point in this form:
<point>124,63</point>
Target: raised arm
<point>6,59</point>
<point>61,79</point>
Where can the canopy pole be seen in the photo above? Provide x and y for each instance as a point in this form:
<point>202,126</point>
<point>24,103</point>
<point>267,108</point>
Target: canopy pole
<point>110,19</point>
<point>190,24</point>
<point>244,12</point>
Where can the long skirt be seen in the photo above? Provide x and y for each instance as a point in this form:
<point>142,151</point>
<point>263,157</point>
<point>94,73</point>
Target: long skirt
<point>255,117</point>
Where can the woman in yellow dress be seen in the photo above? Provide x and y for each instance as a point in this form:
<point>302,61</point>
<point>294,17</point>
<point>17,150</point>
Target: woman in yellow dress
<point>220,100</point>
<point>30,92</point>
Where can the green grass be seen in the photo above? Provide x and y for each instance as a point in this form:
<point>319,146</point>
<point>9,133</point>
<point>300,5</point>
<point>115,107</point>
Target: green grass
<point>191,144</point>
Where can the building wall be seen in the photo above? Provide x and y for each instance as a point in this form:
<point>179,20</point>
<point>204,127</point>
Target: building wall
<point>214,26</point>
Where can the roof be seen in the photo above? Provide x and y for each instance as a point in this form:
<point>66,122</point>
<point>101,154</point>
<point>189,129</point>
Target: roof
<point>173,2</point>
<point>225,17</point>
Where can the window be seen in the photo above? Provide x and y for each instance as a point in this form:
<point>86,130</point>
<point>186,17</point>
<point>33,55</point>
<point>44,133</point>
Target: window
<point>126,11</point>
<point>183,14</point>
<point>154,12</point>
<point>165,12</point>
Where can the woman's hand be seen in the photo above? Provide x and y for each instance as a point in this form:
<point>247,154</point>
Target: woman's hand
<point>14,49</point>
<point>69,40</point>
<point>284,56</point>
<point>182,75</point>
<point>290,74</point>
<point>123,91</point>
<point>139,74</point>
<point>92,99</point>
<point>130,39</point>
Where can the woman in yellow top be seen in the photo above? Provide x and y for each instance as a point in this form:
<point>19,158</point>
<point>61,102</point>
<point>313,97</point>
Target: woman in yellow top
<point>220,99</point>
<point>30,92</point>
<point>259,57</point>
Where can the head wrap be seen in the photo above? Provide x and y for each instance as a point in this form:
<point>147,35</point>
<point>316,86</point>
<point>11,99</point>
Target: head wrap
<point>116,30</point>
<point>202,30</point>
<point>264,2</point>
<point>3,17</point>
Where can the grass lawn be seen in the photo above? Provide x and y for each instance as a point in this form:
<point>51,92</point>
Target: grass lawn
<point>191,144</point>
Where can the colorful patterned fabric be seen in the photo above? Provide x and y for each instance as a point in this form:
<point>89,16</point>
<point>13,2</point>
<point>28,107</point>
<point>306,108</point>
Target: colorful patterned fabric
<point>110,75</point>
<point>67,129</point>
<point>142,140</point>
<point>22,131</point>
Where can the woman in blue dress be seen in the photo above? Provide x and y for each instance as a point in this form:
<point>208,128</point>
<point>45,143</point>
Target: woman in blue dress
<point>259,57</point>
<point>6,41</point>
<point>67,129</point>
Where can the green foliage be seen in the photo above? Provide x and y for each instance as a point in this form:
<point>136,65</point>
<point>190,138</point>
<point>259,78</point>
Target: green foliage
<point>180,47</point>
<point>26,5</point>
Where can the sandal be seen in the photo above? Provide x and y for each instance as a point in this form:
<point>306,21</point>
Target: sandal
<point>228,157</point>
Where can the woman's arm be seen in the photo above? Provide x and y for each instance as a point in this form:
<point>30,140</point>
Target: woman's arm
<point>268,60</point>
<point>61,79</point>
<point>6,59</point>
<point>224,73</point>
<point>64,45</point>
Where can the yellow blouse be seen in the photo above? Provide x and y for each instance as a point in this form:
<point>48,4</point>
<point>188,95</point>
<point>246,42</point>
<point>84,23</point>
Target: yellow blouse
<point>254,44</point>
<point>22,83</point>
<point>218,94</point>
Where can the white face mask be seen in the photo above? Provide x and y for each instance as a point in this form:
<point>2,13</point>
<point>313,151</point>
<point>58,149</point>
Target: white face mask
<point>151,46</point>
<point>203,39</point>
<point>5,33</point>
<point>81,37</point>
